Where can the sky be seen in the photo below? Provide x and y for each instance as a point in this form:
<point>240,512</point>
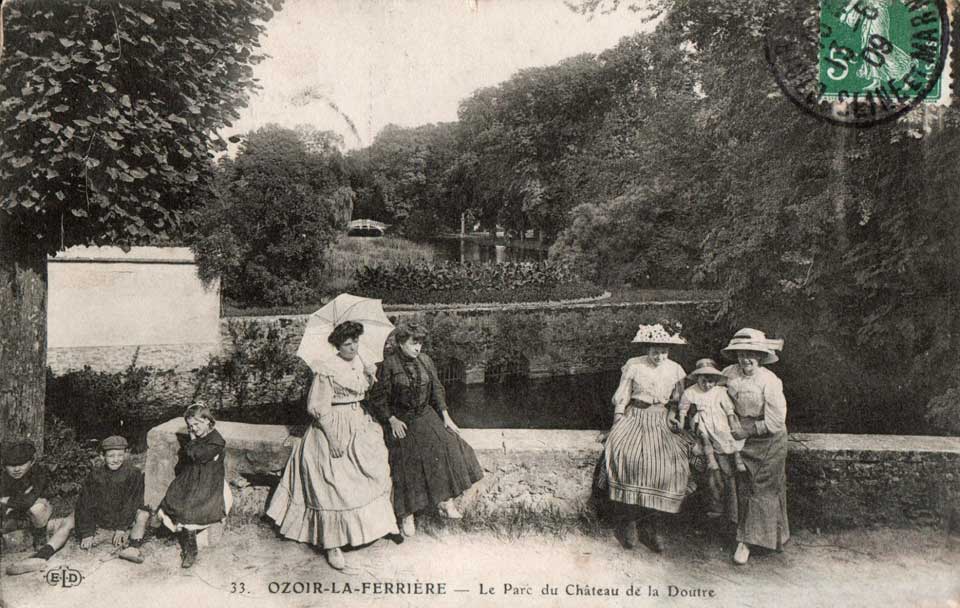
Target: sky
<point>370,63</point>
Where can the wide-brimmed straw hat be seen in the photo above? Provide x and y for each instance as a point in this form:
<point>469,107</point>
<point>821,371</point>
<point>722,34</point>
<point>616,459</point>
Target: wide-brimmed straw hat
<point>658,334</point>
<point>705,367</point>
<point>753,340</point>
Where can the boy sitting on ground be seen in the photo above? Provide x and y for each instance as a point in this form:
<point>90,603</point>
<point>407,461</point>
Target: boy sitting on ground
<point>24,504</point>
<point>112,499</point>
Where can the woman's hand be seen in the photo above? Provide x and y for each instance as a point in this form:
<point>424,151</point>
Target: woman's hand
<point>397,427</point>
<point>673,422</point>
<point>86,543</point>
<point>746,428</point>
<point>448,422</point>
<point>336,450</point>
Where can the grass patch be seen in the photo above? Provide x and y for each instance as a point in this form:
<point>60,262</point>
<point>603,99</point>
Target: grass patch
<point>350,254</point>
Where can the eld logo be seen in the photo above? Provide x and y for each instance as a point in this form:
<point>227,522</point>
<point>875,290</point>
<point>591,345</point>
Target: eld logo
<point>64,577</point>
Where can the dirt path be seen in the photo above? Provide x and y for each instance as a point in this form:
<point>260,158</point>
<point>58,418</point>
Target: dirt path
<point>250,567</point>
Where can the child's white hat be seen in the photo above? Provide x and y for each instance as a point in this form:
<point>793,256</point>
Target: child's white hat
<point>705,367</point>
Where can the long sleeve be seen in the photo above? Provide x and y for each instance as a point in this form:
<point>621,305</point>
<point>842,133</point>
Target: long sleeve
<point>726,403</point>
<point>685,404</point>
<point>678,383</point>
<point>132,499</point>
<point>622,395</point>
<point>206,449</point>
<point>438,396</point>
<point>774,407</point>
<point>35,488</point>
<point>85,510</point>
<point>378,399</point>
<point>320,399</point>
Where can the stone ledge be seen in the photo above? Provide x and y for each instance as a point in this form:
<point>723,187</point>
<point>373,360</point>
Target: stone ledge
<point>833,480</point>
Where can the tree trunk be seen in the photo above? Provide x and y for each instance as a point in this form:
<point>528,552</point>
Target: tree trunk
<point>23,335</point>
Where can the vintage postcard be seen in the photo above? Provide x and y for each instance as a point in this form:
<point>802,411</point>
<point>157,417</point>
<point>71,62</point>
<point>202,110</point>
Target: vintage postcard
<point>526,303</point>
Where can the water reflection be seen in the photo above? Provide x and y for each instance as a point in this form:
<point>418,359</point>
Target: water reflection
<point>562,402</point>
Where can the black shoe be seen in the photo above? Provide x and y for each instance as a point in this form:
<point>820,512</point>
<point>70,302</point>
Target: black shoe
<point>188,548</point>
<point>653,538</point>
<point>39,537</point>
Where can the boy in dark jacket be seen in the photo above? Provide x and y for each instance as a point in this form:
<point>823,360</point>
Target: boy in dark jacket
<point>111,499</point>
<point>24,503</point>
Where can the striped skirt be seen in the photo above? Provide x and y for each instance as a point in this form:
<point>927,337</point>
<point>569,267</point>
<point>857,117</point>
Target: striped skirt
<point>646,464</point>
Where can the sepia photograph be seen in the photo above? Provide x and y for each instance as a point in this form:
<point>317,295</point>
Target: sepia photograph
<point>480,303</point>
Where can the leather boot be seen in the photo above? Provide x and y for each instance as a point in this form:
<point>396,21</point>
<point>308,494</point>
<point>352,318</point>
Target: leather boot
<point>628,531</point>
<point>654,537</point>
<point>188,548</point>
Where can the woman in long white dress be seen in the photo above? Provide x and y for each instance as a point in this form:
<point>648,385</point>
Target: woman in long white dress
<point>335,490</point>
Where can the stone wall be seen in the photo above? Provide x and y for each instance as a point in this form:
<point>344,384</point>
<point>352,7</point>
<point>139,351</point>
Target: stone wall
<point>544,339</point>
<point>106,306</point>
<point>834,480</point>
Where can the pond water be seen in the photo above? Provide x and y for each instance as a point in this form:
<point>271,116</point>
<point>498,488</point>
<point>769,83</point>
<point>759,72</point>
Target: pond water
<point>475,250</point>
<point>562,402</point>
<point>578,402</point>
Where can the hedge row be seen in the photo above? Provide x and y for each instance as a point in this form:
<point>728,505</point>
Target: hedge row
<point>455,283</point>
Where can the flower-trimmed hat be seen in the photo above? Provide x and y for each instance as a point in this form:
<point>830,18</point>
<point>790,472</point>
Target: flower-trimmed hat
<point>753,340</point>
<point>705,367</point>
<point>664,333</point>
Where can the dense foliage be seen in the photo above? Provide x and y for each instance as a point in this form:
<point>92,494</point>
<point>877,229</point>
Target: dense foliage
<point>673,159</point>
<point>270,216</point>
<point>108,120</point>
<point>110,111</point>
<point>450,282</point>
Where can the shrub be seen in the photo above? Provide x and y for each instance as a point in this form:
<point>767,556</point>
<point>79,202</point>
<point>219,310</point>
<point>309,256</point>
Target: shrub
<point>258,360</point>
<point>96,403</point>
<point>451,282</point>
<point>68,459</point>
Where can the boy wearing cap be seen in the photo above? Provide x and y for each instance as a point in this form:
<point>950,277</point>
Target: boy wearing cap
<point>112,499</point>
<point>24,504</point>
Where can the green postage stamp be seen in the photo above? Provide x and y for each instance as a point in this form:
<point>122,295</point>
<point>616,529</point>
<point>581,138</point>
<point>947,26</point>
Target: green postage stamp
<point>875,59</point>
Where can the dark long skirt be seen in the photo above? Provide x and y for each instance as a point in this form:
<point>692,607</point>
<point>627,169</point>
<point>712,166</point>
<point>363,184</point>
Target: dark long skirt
<point>761,492</point>
<point>431,464</point>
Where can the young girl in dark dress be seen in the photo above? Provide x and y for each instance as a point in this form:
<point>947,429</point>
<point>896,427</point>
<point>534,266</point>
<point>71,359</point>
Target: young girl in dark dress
<point>198,496</point>
<point>429,462</point>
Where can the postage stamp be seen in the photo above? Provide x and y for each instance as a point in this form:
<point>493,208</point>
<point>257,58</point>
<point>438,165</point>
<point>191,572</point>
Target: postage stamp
<point>860,63</point>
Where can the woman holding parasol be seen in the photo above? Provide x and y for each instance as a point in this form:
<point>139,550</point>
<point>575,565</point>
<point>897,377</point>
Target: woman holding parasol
<point>335,490</point>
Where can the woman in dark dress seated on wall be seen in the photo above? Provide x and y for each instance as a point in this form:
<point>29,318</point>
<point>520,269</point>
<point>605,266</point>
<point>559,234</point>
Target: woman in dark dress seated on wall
<point>429,462</point>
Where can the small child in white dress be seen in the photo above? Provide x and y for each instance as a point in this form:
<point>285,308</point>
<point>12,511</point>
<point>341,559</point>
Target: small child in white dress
<point>715,415</point>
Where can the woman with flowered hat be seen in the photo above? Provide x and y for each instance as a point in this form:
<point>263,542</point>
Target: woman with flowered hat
<point>646,459</point>
<point>757,394</point>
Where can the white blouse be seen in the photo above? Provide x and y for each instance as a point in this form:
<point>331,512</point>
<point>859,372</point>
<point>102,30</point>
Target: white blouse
<point>338,381</point>
<point>759,395</point>
<point>643,381</point>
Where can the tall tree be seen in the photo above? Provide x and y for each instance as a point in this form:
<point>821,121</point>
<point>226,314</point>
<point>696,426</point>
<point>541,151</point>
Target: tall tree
<point>269,218</point>
<point>108,118</point>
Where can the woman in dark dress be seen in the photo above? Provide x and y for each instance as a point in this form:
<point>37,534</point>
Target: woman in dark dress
<point>429,462</point>
<point>198,496</point>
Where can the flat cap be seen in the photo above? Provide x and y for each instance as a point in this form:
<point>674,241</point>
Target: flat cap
<point>17,453</point>
<point>114,442</point>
